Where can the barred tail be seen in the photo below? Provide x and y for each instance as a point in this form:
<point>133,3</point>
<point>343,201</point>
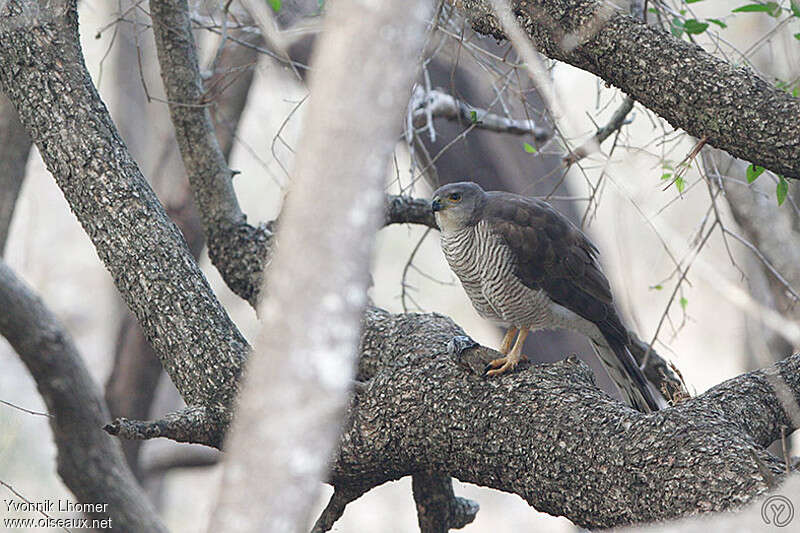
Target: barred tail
<point>625,373</point>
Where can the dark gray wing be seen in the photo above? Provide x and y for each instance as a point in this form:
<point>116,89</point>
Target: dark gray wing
<point>552,254</point>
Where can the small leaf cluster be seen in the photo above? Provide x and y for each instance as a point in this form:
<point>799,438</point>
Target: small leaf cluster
<point>782,188</point>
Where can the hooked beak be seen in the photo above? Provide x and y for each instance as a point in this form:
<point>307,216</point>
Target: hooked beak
<point>436,205</point>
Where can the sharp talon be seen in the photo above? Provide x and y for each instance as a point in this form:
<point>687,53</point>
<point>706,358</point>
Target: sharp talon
<point>496,363</point>
<point>500,366</point>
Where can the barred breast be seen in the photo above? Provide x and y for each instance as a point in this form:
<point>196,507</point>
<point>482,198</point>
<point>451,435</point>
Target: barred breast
<point>485,266</point>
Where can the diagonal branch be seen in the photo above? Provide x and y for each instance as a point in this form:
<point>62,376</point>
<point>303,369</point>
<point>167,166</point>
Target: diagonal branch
<point>89,461</point>
<point>546,429</point>
<point>237,249</point>
<point>288,421</point>
<point>15,145</point>
<point>693,90</point>
<point>437,104</point>
<point>42,71</point>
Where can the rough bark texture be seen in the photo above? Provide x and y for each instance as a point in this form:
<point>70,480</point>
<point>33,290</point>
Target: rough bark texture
<point>89,461</point>
<point>549,435</point>
<point>738,111</point>
<point>237,249</point>
<point>131,387</point>
<point>288,420</point>
<point>43,73</point>
<point>407,210</point>
<point>438,509</point>
<point>199,425</point>
<point>15,145</point>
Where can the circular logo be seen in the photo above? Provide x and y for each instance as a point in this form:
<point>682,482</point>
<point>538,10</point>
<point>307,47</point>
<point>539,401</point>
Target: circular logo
<point>777,510</point>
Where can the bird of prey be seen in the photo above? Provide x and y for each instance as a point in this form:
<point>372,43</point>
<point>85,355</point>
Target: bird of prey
<point>527,267</point>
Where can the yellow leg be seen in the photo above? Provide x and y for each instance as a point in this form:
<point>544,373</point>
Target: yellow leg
<point>508,339</point>
<point>511,360</point>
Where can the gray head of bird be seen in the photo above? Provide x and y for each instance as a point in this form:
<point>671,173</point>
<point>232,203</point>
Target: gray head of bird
<point>457,205</point>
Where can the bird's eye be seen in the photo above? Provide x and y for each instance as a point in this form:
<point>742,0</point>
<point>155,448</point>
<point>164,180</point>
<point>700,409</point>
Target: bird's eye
<point>456,196</point>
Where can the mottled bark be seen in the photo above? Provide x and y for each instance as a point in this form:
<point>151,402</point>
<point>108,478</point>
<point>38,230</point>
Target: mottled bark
<point>198,425</point>
<point>131,387</point>
<point>438,509</point>
<point>89,461</point>
<point>237,249</point>
<point>15,145</point>
<point>43,73</point>
<point>705,96</point>
<point>288,421</point>
<point>549,435</point>
<point>408,210</point>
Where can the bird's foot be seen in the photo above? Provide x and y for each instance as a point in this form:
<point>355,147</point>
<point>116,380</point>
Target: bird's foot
<point>503,365</point>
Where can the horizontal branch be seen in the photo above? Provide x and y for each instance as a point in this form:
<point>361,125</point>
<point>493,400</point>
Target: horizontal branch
<point>707,97</point>
<point>437,104</point>
<point>407,210</point>
<point>547,429</point>
<point>199,425</point>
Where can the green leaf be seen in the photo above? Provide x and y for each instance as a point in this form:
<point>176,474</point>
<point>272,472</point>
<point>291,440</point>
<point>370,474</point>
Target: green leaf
<point>676,27</point>
<point>684,302</point>
<point>753,172</point>
<point>657,287</point>
<point>528,148</point>
<point>718,23</point>
<point>680,183</point>
<point>694,26</point>
<point>666,176</point>
<point>770,8</point>
<point>797,36</point>
<point>275,5</point>
<point>795,8</point>
<point>693,1</point>
<point>782,189</point>
<point>473,116</point>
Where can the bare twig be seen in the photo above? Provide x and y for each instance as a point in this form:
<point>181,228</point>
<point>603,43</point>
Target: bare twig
<point>618,119</point>
<point>24,410</point>
<point>427,105</point>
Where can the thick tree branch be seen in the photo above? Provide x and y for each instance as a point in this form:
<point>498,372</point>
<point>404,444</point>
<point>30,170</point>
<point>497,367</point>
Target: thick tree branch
<point>43,73</point>
<point>89,461</point>
<point>547,429</point>
<point>237,249</point>
<point>131,387</point>
<point>15,145</point>
<point>738,111</point>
